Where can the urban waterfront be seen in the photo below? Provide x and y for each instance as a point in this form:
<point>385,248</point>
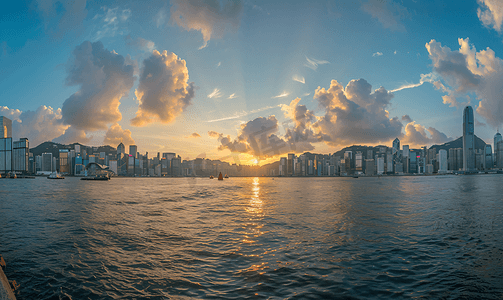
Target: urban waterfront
<point>255,237</point>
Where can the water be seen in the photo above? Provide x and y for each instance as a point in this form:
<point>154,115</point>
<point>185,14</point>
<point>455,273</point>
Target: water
<point>297,238</point>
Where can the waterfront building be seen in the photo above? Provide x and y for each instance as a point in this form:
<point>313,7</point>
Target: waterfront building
<point>282,166</point>
<point>5,127</point>
<point>64,165</point>
<point>499,155</point>
<point>380,165</point>
<point>442,161</point>
<point>47,163</point>
<point>389,163</point>
<point>488,157</point>
<point>358,161</point>
<point>468,140</point>
<point>121,149</point>
<point>20,156</point>
<point>5,145</point>
<point>398,168</point>
<point>497,139</point>
<point>77,149</point>
<point>133,150</point>
<point>370,168</point>
<point>428,169</point>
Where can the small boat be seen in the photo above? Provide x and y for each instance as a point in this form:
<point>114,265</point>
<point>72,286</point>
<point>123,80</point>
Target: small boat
<point>226,176</point>
<point>211,177</point>
<point>97,177</point>
<point>220,177</point>
<point>355,176</point>
<point>55,175</point>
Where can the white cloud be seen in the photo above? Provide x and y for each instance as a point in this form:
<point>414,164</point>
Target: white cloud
<point>103,77</point>
<point>140,43</point>
<point>232,96</point>
<point>243,114</point>
<point>299,79</point>
<point>490,13</point>
<point>116,135</point>
<point>377,54</point>
<point>389,14</point>
<point>111,22</point>
<point>314,63</point>
<point>468,71</point>
<point>215,94</point>
<point>282,95</point>
<point>164,90</point>
<point>160,18</point>
<point>210,17</point>
<point>394,52</point>
<point>62,16</point>
<point>219,64</point>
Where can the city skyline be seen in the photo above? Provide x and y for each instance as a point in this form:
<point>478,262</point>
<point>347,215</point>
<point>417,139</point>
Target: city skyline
<point>164,80</point>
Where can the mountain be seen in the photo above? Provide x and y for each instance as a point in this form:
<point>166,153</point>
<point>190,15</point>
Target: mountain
<point>458,143</point>
<point>51,147</point>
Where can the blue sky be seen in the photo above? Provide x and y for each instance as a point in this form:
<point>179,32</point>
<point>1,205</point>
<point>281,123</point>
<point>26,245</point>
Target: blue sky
<point>246,61</point>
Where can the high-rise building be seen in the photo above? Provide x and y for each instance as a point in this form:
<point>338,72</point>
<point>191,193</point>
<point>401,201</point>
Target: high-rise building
<point>20,155</point>
<point>499,155</point>
<point>442,161</point>
<point>5,127</point>
<point>133,149</point>
<point>5,145</point>
<point>64,163</point>
<point>488,162</point>
<point>497,139</point>
<point>121,149</point>
<point>468,140</point>
<point>46,162</point>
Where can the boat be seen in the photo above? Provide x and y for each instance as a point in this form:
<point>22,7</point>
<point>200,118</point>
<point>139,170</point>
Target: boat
<point>226,176</point>
<point>355,176</point>
<point>220,177</point>
<point>55,175</point>
<point>211,177</point>
<point>97,177</point>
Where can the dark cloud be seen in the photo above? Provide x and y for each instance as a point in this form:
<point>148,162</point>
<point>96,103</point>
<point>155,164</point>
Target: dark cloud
<point>406,118</point>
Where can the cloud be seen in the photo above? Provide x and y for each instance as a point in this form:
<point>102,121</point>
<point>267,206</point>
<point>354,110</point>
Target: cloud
<point>111,22</point>
<point>103,78</point>
<point>164,91</point>
<point>282,95</point>
<point>41,125</point>
<point>490,13</point>
<point>232,96</point>
<point>467,71</point>
<point>394,52</point>
<point>388,14</point>
<point>62,16</point>
<point>160,18</point>
<point>194,135</point>
<point>377,54</point>
<point>355,114</point>
<point>213,134</point>
<point>299,79</point>
<point>424,78</point>
<point>215,94</point>
<point>417,135</point>
<point>243,114</point>
<point>73,135</point>
<point>314,63</point>
<point>210,17</point>
<point>116,135</point>
<point>406,118</point>
<point>140,43</point>
<point>219,64</point>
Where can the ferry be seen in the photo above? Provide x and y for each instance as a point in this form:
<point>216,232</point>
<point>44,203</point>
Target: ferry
<point>97,177</point>
<point>55,175</point>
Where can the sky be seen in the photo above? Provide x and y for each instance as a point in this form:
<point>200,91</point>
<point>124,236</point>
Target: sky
<point>249,81</point>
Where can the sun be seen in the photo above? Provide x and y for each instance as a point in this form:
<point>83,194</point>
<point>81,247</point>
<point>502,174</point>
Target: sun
<point>255,161</point>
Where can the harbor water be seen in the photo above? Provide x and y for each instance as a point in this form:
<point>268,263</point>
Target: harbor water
<point>438,237</point>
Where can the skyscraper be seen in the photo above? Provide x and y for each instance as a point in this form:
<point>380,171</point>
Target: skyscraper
<point>5,145</point>
<point>133,150</point>
<point>121,149</point>
<point>468,140</point>
<point>497,139</point>
<point>488,157</point>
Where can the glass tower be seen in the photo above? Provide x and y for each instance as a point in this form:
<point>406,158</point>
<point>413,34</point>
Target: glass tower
<point>468,140</point>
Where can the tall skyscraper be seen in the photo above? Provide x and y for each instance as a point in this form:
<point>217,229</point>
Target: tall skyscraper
<point>497,139</point>
<point>5,127</point>
<point>442,161</point>
<point>5,145</point>
<point>488,157</point>
<point>468,140</point>
<point>121,149</point>
<point>20,155</point>
<point>133,150</point>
